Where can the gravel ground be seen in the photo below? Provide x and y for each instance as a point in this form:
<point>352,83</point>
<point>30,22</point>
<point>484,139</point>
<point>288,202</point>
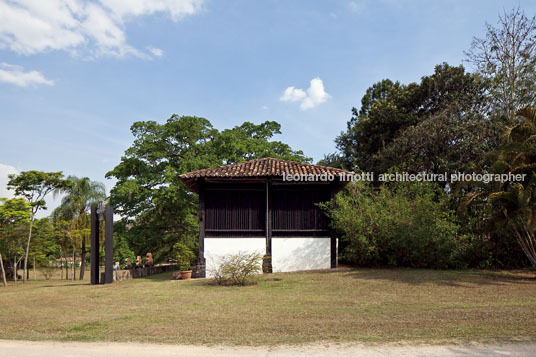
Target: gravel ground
<point>81,349</point>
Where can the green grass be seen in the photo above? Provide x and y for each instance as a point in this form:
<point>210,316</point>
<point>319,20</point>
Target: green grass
<point>344,305</point>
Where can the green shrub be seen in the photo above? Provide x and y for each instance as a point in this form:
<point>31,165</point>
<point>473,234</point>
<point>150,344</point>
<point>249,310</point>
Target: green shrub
<point>47,269</point>
<point>184,255</point>
<point>398,224</point>
<point>122,251</point>
<point>238,269</point>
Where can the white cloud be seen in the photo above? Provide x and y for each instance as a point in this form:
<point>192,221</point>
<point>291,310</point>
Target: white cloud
<point>176,8</point>
<point>315,95</point>
<point>292,94</point>
<point>16,75</point>
<point>80,26</point>
<point>157,52</point>
<point>356,6</point>
<point>6,170</point>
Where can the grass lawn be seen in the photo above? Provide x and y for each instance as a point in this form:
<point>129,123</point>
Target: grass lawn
<point>344,305</point>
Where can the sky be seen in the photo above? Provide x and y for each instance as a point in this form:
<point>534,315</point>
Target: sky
<point>75,74</point>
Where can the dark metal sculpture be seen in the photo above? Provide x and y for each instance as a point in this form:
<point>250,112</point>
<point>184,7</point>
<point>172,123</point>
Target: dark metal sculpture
<point>106,214</point>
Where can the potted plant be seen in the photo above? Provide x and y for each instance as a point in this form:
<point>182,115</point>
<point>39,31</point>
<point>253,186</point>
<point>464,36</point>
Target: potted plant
<point>184,255</point>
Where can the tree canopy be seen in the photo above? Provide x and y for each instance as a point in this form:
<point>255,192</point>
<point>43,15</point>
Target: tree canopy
<point>35,186</point>
<point>158,209</point>
<point>507,57</point>
<point>397,123</point>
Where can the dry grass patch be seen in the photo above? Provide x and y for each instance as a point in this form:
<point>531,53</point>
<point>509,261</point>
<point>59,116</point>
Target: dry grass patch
<point>345,305</point>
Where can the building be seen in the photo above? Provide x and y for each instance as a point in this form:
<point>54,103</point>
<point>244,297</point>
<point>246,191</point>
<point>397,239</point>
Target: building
<point>268,206</point>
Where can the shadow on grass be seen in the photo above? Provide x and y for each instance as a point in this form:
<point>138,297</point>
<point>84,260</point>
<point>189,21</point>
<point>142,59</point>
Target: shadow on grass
<point>62,285</point>
<point>414,276</point>
<point>156,277</point>
<point>455,278</point>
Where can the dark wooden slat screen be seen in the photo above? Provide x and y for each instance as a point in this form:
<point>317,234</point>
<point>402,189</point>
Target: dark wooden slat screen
<point>235,210</point>
<point>296,210</point>
<point>232,212</point>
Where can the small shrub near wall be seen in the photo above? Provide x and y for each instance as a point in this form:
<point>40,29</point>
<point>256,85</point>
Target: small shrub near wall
<point>238,269</point>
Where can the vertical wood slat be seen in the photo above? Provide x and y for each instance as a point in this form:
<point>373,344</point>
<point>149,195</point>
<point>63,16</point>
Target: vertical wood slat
<point>334,260</point>
<point>94,249</point>
<point>108,245</point>
<point>202,220</point>
<point>267,264</point>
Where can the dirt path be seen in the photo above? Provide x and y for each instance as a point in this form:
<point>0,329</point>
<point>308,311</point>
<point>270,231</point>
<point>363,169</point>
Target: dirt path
<point>80,349</point>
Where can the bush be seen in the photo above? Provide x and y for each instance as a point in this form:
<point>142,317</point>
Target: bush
<point>47,270</point>
<point>238,269</point>
<point>398,224</point>
<point>122,251</point>
<point>184,255</point>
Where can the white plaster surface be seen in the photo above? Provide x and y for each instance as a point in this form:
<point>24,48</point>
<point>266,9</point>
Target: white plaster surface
<point>303,253</point>
<point>216,248</point>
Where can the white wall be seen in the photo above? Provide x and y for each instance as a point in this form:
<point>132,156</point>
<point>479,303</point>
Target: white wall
<point>215,248</point>
<point>291,254</point>
<point>288,254</point>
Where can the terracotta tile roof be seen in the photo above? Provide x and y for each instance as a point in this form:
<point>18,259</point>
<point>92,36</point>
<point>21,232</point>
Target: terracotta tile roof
<point>261,168</point>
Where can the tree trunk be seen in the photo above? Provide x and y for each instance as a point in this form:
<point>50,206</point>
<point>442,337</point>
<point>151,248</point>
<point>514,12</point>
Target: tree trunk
<point>27,249</point>
<point>3,271</point>
<point>35,276</point>
<point>72,266</point>
<point>83,259</point>
<point>61,262</point>
<point>15,269</point>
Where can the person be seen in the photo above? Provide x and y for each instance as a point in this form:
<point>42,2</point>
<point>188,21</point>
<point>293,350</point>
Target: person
<point>116,266</point>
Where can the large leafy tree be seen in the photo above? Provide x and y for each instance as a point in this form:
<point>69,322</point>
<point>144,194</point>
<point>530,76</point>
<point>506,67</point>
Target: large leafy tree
<point>45,245</point>
<point>507,57</point>
<point>34,186</point>
<point>386,108</point>
<point>79,195</point>
<point>445,142</point>
<point>13,212</point>
<point>417,125</point>
<point>158,209</point>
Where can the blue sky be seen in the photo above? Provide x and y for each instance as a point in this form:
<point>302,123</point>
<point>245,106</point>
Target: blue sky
<point>75,74</point>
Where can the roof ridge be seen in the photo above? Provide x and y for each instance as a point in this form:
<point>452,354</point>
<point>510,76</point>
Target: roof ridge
<point>259,168</point>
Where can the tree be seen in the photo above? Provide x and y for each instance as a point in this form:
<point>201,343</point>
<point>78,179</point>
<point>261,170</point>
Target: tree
<point>80,194</point>
<point>13,212</point>
<point>386,108</point>
<point>45,246</point>
<point>250,141</point>
<point>62,236</point>
<point>453,134</point>
<point>512,204</point>
<point>158,209</point>
<point>396,119</point>
<point>507,56</point>
<point>446,142</point>
<point>34,186</point>
<point>122,250</point>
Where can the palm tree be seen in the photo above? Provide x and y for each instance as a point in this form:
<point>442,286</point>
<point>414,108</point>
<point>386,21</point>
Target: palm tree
<point>512,204</point>
<point>80,194</point>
